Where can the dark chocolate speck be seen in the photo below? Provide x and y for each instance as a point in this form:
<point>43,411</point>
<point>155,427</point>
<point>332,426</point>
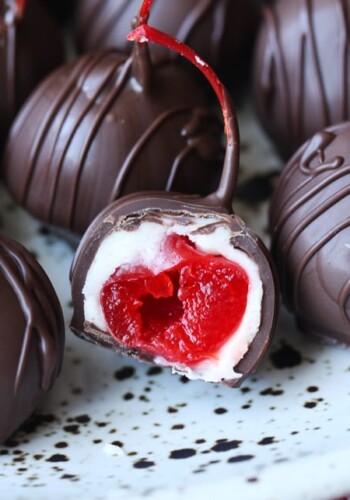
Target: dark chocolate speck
<point>267,440</point>
<point>154,370</point>
<point>226,446</point>
<point>220,411</point>
<point>61,444</point>
<point>73,429</point>
<point>82,419</point>
<point>184,453</point>
<point>124,373</point>
<point>271,392</point>
<point>72,477</point>
<point>143,464</point>
<point>312,388</point>
<point>286,357</point>
<point>177,427</point>
<point>310,404</point>
<point>58,458</point>
<point>128,396</point>
<point>240,458</point>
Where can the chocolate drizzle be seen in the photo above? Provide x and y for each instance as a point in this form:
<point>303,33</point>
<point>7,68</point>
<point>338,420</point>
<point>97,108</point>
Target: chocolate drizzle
<point>310,225</point>
<point>42,315</point>
<point>302,69</point>
<point>316,148</point>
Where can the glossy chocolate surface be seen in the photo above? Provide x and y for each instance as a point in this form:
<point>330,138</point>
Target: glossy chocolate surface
<point>220,31</point>
<point>302,69</point>
<point>109,125</point>
<point>62,10</point>
<point>30,47</point>
<point>311,233</point>
<point>127,213</point>
<point>31,333</point>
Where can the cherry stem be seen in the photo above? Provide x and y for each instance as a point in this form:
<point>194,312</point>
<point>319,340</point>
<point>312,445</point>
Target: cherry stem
<point>20,7</point>
<point>144,12</point>
<point>224,194</point>
<point>141,57</point>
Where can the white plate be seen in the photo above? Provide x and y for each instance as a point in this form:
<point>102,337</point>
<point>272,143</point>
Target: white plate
<point>113,428</point>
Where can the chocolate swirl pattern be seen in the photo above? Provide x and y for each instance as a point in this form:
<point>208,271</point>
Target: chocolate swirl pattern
<point>301,69</point>
<point>221,31</point>
<point>310,226</point>
<point>91,133</point>
<point>23,35</point>
<point>32,329</point>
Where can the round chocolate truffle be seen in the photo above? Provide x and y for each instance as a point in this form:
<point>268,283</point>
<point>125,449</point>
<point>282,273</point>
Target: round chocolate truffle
<point>176,283</point>
<point>220,31</point>
<point>30,47</point>
<point>109,125</point>
<point>301,70</point>
<point>311,234</point>
<point>31,335</point>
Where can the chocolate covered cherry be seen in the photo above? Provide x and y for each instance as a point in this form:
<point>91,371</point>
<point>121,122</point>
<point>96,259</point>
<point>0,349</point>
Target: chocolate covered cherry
<point>301,69</point>
<point>31,335</point>
<point>105,126</point>
<point>311,234</point>
<point>176,280</point>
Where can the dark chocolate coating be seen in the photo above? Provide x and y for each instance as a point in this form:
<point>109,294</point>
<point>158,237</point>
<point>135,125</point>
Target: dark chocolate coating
<point>302,69</point>
<point>30,47</point>
<point>127,213</point>
<point>220,31</point>
<point>311,234</point>
<point>31,335</point>
<point>92,133</point>
<point>62,10</point>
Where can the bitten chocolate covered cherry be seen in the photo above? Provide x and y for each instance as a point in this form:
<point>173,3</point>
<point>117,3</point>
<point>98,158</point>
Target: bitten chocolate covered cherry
<point>30,47</point>
<point>109,125</point>
<point>31,335</point>
<point>311,234</point>
<point>176,280</point>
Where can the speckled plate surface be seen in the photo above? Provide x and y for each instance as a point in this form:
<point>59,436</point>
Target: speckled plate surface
<point>115,429</point>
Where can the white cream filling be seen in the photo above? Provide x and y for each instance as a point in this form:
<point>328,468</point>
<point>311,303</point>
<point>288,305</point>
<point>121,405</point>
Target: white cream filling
<point>141,247</point>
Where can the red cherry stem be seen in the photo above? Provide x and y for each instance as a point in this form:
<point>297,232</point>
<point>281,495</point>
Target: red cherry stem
<point>142,67</point>
<point>224,194</point>
<point>20,7</point>
<point>144,12</point>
